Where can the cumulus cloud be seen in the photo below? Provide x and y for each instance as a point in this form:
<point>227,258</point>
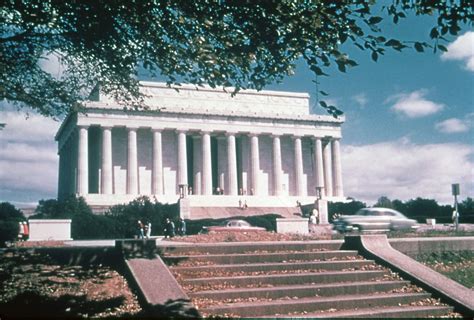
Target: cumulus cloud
<point>452,125</point>
<point>28,161</point>
<point>361,99</point>
<point>404,170</point>
<point>462,49</point>
<point>414,104</point>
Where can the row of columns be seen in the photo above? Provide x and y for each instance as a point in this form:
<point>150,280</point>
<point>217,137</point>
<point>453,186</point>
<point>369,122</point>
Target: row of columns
<point>327,162</point>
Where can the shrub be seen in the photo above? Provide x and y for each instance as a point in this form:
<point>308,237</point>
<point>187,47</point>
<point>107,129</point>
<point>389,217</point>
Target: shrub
<point>127,215</point>
<point>9,218</point>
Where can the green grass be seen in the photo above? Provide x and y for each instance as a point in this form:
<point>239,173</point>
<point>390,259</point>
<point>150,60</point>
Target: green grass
<point>458,266</point>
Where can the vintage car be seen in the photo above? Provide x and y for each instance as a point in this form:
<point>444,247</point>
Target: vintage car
<point>374,219</point>
<point>232,225</point>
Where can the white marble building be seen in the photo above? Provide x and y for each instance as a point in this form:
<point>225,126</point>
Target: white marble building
<point>260,148</point>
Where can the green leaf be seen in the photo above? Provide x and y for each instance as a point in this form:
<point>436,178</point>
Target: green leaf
<point>375,56</point>
<point>442,48</point>
<point>434,33</point>
<point>419,47</point>
<point>375,20</point>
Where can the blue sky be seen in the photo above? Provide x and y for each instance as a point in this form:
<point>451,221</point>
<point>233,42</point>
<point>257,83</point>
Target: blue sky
<point>409,128</point>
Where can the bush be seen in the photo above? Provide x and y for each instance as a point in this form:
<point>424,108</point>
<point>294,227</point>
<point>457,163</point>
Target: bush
<point>9,218</point>
<point>119,222</point>
<point>127,215</point>
<point>84,224</point>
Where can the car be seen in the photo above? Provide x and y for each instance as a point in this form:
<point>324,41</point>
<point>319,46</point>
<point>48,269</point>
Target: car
<point>232,225</point>
<point>374,219</point>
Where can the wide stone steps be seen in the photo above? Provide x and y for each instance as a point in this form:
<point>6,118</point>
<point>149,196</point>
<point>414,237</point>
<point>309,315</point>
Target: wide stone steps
<point>293,279</point>
<point>277,266</point>
<point>228,248</point>
<point>259,257</point>
<point>300,291</point>
<point>397,312</point>
<point>287,279</point>
<point>278,307</point>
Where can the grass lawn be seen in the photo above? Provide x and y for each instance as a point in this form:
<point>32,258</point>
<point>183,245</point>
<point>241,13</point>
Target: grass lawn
<point>458,266</point>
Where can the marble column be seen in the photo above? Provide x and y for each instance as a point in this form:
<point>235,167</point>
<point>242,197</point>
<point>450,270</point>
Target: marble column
<point>157,166</point>
<point>83,161</point>
<point>327,168</point>
<point>182,160</point>
<point>231,165</point>
<point>254,164</point>
<point>299,185</point>
<point>61,184</point>
<point>106,164</point>
<point>132,162</point>
<point>277,169</point>
<point>197,164</point>
<point>222,163</point>
<point>319,167</point>
<point>206,164</point>
<point>336,167</point>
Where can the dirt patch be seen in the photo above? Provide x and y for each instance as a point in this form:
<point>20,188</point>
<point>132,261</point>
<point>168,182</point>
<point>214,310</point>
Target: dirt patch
<point>248,236</point>
<point>34,285</point>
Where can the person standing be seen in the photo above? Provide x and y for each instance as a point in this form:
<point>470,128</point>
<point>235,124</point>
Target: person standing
<point>181,227</point>
<point>26,231</point>
<point>141,228</point>
<point>148,230</point>
<point>169,228</point>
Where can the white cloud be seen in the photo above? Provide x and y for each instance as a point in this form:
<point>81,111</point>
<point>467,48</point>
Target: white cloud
<point>403,170</point>
<point>414,104</point>
<point>361,99</point>
<point>20,127</point>
<point>452,125</point>
<point>28,160</point>
<point>462,49</point>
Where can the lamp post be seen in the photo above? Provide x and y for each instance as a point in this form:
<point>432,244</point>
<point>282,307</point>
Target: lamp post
<point>319,193</point>
<point>455,191</point>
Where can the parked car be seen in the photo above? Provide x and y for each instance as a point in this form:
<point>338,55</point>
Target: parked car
<point>374,219</point>
<point>232,225</point>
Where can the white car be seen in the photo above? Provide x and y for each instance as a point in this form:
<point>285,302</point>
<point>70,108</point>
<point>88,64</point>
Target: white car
<point>232,225</point>
<point>374,219</point>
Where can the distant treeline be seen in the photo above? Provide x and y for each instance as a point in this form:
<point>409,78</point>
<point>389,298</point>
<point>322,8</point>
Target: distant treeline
<point>419,209</point>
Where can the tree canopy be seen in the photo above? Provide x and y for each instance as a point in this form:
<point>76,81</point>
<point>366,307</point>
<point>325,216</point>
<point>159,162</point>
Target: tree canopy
<point>240,44</point>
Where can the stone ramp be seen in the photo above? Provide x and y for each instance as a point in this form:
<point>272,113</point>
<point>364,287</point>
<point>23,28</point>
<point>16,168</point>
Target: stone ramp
<point>151,277</point>
<point>292,279</point>
<point>378,247</point>
<point>229,212</point>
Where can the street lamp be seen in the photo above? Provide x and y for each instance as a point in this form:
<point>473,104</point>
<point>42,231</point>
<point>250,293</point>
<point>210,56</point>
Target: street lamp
<point>319,192</point>
<point>455,191</point>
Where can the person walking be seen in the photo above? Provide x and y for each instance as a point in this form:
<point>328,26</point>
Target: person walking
<point>141,228</point>
<point>181,227</point>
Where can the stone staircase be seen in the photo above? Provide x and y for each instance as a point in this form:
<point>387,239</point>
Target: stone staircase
<point>293,279</point>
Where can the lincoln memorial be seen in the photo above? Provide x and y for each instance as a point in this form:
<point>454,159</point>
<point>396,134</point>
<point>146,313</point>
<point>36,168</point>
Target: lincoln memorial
<point>202,147</point>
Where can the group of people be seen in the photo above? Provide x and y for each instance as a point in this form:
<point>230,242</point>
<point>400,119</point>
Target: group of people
<point>170,230</point>
<point>144,228</point>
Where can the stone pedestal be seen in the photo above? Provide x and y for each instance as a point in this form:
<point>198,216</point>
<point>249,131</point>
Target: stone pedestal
<point>322,206</point>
